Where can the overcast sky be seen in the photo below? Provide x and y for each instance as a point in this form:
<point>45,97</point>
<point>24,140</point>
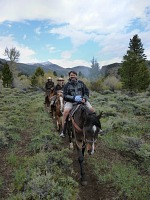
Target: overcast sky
<point>71,32</point>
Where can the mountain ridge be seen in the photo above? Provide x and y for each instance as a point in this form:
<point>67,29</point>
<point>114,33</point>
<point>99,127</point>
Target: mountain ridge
<point>30,68</point>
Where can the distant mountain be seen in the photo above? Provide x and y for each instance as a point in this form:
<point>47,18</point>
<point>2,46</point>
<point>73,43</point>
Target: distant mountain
<point>111,69</point>
<point>48,66</point>
<point>30,68</point>
<point>84,70</point>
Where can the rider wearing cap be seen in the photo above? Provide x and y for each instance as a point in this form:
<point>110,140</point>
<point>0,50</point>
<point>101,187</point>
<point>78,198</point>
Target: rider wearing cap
<point>58,87</point>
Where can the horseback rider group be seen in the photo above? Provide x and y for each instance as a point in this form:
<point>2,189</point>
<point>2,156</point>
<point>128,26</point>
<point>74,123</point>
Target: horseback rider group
<point>73,91</point>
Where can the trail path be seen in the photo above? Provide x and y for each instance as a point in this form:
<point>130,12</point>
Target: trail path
<point>93,190</point>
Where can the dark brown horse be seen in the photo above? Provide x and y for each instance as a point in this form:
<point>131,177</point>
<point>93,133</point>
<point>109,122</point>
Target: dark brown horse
<point>48,93</point>
<point>83,127</point>
<point>59,105</point>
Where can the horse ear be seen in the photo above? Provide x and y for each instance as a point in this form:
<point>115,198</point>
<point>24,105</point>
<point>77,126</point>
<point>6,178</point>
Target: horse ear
<point>100,114</point>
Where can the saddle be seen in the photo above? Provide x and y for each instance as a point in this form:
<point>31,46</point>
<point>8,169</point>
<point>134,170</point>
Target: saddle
<point>70,117</point>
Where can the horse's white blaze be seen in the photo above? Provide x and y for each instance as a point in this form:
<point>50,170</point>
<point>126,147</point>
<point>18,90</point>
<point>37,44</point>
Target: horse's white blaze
<point>93,146</point>
<point>94,128</point>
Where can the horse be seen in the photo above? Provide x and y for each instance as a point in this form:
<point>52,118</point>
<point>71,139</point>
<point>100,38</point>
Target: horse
<point>51,99</point>
<point>47,102</point>
<point>83,127</point>
<point>59,105</point>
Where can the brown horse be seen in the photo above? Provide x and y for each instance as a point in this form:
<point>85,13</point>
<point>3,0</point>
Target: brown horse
<point>83,127</point>
<point>59,105</point>
<point>51,98</point>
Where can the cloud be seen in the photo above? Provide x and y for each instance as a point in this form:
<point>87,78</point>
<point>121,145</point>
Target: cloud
<point>66,63</point>
<point>66,54</point>
<point>88,16</point>
<point>51,48</point>
<point>109,23</point>
<point>37,31</point>
<point>26,53</point>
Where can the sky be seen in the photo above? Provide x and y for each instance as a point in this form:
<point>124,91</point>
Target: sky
<point>70,33</point>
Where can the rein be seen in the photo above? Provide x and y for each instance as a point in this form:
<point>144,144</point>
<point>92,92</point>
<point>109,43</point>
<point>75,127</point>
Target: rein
<point>75,125</point>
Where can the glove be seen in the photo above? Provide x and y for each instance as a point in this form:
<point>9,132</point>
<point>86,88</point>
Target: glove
<point>78,98</point>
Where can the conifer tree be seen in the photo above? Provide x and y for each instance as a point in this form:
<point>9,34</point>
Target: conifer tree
<point>7,76</point>
<point>39,72</point>
<point>134,72</point>
<point>95,69</point>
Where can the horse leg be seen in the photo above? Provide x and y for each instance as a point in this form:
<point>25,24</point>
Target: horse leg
<point>68,128</point>
<point>47,103</point>
<point>81,162</point>
<point>58,122</point>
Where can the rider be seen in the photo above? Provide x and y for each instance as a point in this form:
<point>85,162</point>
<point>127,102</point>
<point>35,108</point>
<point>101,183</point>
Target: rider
<point>59,86</point>
<point>49,86</point>
<point>74,91</point>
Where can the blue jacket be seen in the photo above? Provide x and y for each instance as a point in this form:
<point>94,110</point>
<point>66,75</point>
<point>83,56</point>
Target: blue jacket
<point>74,88</point>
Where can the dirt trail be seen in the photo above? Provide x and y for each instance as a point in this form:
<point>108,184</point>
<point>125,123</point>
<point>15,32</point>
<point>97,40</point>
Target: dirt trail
<point>93,190</point>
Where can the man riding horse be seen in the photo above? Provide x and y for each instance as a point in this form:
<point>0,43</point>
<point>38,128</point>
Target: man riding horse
<point>58,87</point>
<point>49,86</point>
<point>74,91</point>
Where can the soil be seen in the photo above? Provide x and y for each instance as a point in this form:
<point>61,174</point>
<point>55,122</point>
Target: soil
<point>94,190</point>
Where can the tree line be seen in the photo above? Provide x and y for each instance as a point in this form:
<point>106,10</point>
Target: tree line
<point>133,73</point>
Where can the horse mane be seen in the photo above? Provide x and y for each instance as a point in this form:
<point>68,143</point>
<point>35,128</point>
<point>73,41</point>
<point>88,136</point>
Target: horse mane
<point>90,118</point>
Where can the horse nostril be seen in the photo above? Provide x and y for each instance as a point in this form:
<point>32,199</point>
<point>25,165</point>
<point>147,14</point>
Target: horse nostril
<point>101,132</point>
<point>89,152</point>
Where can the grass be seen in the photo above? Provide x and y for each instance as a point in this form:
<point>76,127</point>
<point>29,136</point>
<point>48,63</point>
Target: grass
<point>126,124</point>
<point>44,169</point>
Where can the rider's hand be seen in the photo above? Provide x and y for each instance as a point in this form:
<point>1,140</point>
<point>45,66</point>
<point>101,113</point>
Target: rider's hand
<point>78,98</point>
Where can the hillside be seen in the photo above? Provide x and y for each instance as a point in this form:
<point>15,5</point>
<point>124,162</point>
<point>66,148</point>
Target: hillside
<point>48,66</point>
<point>30,68</point>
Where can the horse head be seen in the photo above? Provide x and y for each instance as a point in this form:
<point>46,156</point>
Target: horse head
<point>91,129</point>
<point>90,124</point>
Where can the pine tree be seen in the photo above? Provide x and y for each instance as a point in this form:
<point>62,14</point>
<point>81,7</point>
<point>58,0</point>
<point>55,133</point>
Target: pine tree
<point>95,69</point>
<point>134,72</point>
<point>7,76</point>
<point>39,72</point>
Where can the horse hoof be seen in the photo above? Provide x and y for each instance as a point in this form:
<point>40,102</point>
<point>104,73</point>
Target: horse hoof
<point>83,183</point>
<point>71,145</point>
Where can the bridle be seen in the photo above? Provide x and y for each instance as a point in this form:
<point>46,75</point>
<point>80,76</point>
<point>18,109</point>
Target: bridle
<point>79,130</point>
